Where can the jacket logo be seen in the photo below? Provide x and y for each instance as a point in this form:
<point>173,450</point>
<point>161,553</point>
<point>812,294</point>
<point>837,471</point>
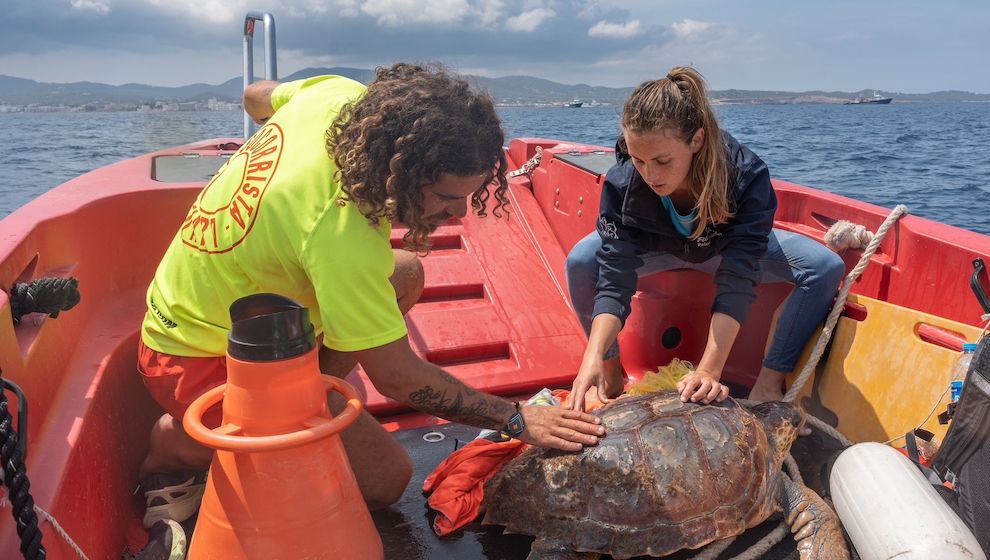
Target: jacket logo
<point>706,237</point>
<point>607,228</point>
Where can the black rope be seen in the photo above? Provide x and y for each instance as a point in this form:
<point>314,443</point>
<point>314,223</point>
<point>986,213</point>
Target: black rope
<point>17,483</point>
<point>45,295</point>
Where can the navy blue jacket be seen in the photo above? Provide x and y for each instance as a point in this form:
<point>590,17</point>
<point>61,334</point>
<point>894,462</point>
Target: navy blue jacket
<point>633,221</point>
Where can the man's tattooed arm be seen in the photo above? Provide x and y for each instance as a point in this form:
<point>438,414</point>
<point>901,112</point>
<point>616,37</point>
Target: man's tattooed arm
<point>447,397</point>
<point>258,100</point>
<point>400,374</point>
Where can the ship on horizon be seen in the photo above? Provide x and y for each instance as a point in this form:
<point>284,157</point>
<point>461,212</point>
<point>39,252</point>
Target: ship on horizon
<point>875,99</point>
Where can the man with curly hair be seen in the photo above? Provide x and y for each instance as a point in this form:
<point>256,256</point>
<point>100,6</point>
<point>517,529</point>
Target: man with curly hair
<point>305,209</point>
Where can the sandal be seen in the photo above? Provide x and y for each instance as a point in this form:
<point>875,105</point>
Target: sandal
<point>166,541</point>
<point>172,496</point>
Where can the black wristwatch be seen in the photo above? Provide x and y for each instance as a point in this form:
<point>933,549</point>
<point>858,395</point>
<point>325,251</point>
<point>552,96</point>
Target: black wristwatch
<point>516,425</point>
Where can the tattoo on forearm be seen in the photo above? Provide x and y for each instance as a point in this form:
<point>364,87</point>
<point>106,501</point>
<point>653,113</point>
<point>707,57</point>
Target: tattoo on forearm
<point>457,402</point>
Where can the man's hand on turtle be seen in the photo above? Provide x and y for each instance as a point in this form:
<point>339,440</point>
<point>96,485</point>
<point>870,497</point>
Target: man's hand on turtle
<point>560,428</point>
<point>702,386</point>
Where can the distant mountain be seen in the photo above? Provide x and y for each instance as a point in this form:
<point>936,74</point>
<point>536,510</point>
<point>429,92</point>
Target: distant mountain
<point>17,91</point>
<point>508,89</point>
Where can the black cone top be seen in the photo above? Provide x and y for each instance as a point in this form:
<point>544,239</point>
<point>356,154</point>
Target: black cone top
<point>269,327</point>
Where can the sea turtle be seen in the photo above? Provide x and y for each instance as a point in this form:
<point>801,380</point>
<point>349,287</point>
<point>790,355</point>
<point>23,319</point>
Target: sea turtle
<point>667,476</point>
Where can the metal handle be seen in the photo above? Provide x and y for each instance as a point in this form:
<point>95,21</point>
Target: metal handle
<point>974,282</point>
<point>271,72</point>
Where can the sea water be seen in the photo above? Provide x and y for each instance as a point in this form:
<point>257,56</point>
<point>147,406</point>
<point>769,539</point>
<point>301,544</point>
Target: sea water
<point>935,158</point>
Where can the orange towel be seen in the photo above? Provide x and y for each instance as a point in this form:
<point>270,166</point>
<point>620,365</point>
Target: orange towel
<point>458,482</point>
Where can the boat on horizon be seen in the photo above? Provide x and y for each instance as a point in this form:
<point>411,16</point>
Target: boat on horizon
<point>875,99</point>
<point>575,103</point>
<point>494,312</point>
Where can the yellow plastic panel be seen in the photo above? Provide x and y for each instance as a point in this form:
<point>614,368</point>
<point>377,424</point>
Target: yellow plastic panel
<point>881,379</point>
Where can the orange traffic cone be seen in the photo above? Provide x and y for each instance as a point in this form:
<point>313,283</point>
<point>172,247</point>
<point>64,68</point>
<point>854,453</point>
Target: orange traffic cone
<point>280,485</point>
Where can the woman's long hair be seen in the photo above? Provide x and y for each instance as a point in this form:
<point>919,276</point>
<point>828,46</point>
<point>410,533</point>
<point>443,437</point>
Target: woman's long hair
<point>679,102</point>
<point>413,124</point>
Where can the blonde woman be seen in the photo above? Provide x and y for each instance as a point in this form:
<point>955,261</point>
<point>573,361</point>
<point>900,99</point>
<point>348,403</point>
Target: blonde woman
<point>684,194</point>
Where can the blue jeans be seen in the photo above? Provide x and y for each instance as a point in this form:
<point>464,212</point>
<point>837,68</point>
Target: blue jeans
<point>813,269</point>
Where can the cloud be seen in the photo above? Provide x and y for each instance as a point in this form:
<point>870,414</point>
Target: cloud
<point>690,28</point>
<point>616,30</point>
<point>395,13</point>
<point>596,10</point>
<point>852,36</point>
<point>311,33</point>
<point>529,20</point>
<point>97,6</point>
<point>174,42</point>
<point>216,11</point>
<point>490,12</point>
<point>714,49</point>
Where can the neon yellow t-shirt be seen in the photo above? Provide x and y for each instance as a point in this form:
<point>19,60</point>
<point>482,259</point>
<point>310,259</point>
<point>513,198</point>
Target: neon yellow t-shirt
<point>271,221</point>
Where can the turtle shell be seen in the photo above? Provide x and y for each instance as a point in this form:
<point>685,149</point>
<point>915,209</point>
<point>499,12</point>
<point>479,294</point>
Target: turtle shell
<point>668,475</point>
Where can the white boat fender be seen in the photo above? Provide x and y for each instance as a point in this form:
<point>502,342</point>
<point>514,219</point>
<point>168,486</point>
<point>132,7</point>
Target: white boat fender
<point>890,510</point>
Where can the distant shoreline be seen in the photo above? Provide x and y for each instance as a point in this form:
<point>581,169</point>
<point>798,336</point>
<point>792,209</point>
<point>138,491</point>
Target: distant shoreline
<point>22,95</point>
<point>13,109</point>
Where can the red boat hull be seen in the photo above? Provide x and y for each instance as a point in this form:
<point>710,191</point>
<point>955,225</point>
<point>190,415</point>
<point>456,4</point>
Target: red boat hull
<point>495,311</point>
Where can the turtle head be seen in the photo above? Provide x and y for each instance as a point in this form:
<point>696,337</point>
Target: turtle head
<point>782,421</point>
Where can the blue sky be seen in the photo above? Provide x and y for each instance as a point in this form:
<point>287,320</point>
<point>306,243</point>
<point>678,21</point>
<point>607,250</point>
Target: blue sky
<point>900,46</point>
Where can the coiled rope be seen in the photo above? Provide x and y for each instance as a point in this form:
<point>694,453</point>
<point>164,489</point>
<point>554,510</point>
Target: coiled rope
<point>51,296</point>
<point>47,295</point>
<point>19,487</point>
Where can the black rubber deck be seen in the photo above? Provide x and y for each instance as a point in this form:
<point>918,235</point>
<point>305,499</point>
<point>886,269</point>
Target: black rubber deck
<point>406,528</point>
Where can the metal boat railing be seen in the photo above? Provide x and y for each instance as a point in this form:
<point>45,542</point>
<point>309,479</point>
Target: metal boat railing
<point>271,72</point>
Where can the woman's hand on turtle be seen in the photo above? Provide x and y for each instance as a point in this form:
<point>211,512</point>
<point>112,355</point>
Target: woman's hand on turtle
<point>604,379</point>
<point>702,386</point>
<point>590,375</point>
<point>560,428</point>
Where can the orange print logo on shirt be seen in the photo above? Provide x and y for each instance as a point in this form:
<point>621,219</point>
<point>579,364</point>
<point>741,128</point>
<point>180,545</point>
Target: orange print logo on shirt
<point>223,214</point>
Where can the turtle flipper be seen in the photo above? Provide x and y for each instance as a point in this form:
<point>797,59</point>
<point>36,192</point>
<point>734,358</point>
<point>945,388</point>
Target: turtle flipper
<point>815,525</point>
<point>549,549</point>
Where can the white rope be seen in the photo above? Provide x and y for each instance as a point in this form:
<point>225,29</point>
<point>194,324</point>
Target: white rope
<point>930,414</point>
<point>842,235</point>
<point>5,502</point>
<point>840,302</point>
<point>823,426</point>
<point>847,235</point>
<point>712,551</point>
<point>766,543</point>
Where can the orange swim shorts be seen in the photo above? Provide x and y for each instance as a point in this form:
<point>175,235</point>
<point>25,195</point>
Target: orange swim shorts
<point>176,381</point>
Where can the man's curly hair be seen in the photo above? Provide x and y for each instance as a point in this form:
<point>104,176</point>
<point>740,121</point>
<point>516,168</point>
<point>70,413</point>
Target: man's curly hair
<point>411,125</point>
